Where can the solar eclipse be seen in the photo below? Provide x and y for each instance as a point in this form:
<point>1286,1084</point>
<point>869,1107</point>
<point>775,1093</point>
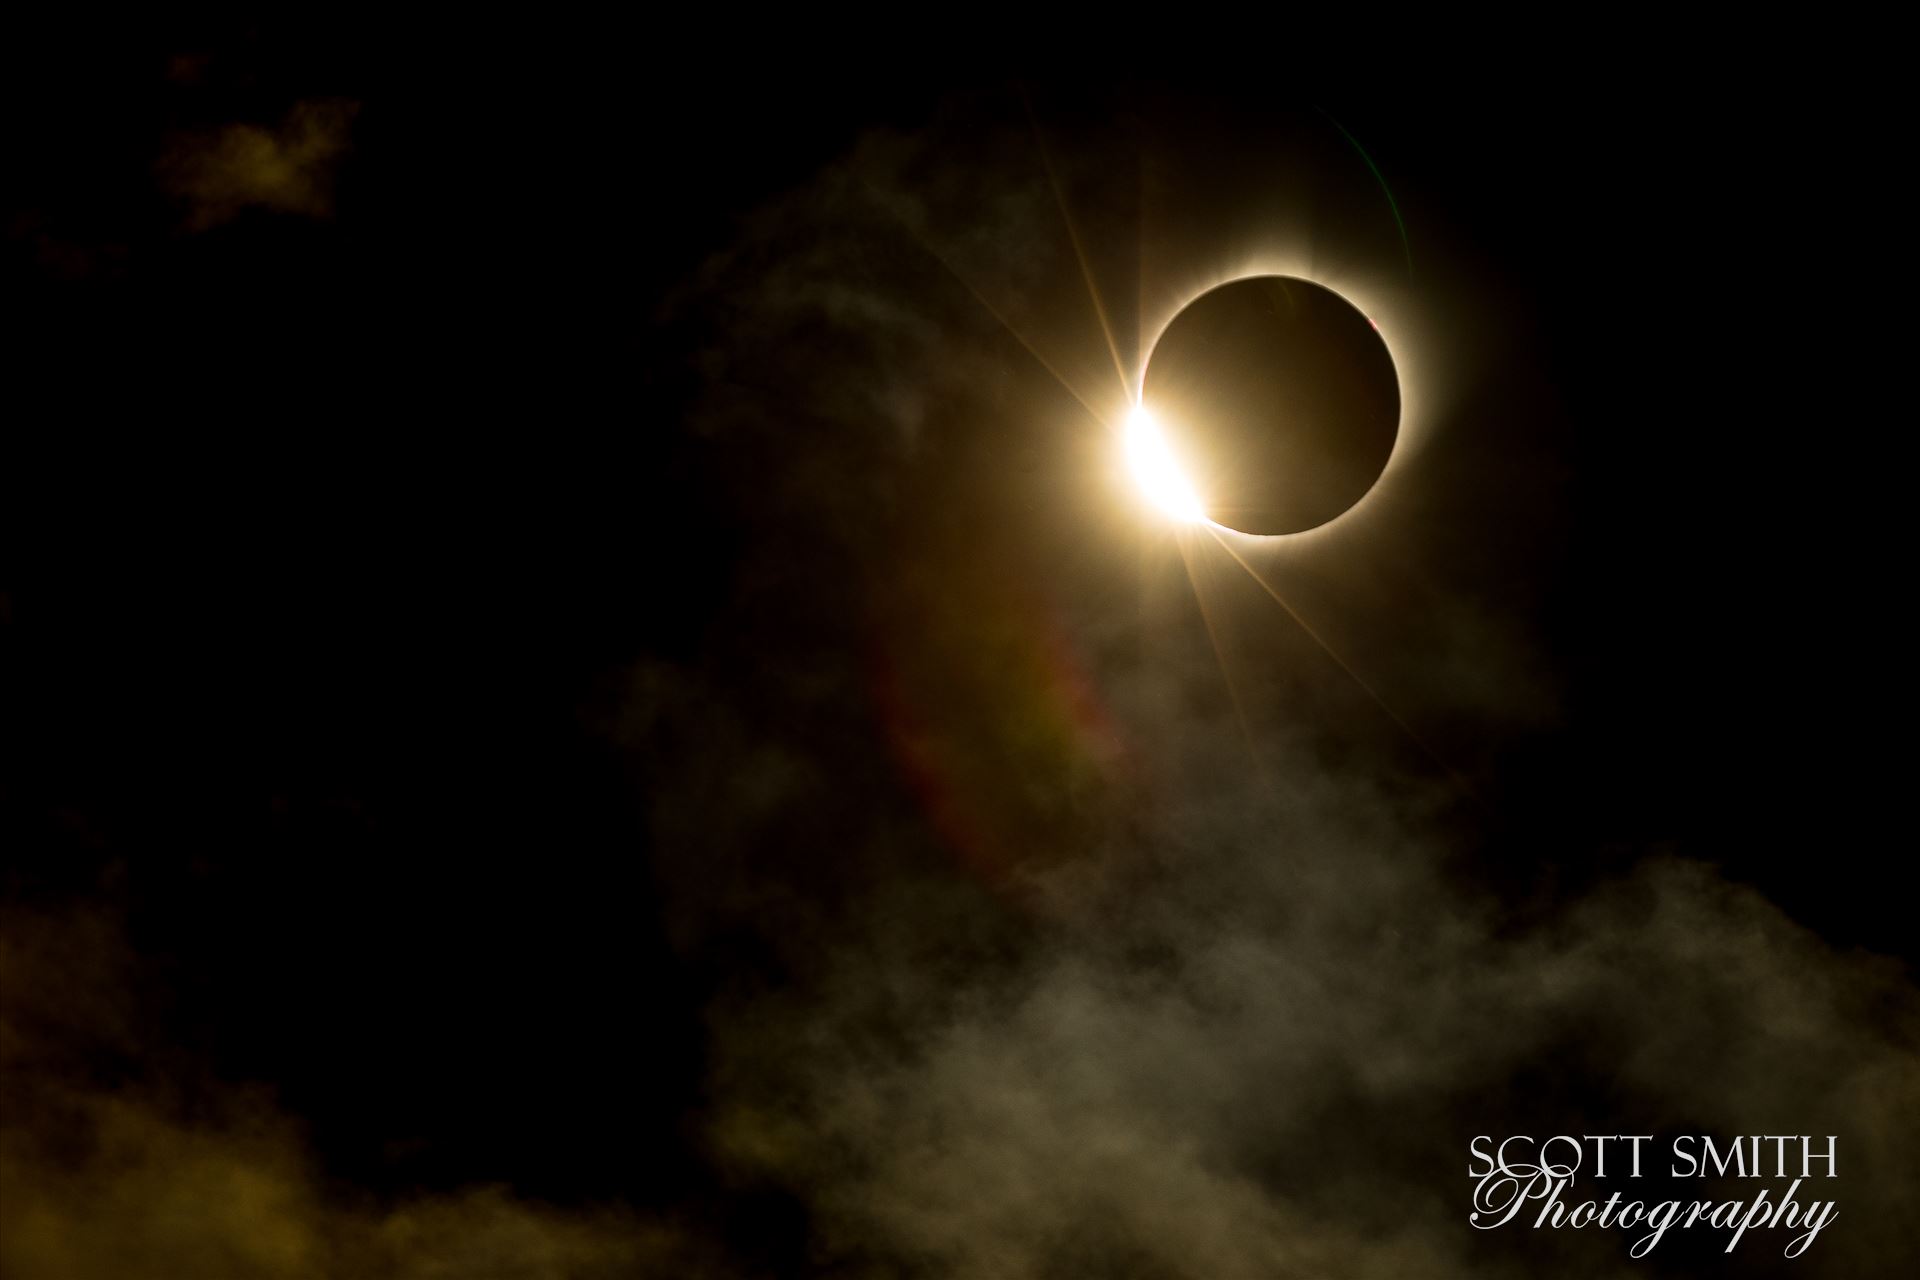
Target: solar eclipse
<point>1269,405</point>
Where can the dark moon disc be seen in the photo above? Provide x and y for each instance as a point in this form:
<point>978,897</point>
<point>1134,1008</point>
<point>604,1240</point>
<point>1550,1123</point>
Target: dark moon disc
<point>1279,400</point>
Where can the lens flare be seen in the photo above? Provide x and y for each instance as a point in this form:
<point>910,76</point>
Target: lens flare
<point>1160,477</point>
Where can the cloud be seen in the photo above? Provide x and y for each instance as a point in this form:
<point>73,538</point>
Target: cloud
<point>1245,1018</point>
<point>216,175</point>
<point>120,1157</point>
<point>1291,1098</point>
<point>1235,1012</point>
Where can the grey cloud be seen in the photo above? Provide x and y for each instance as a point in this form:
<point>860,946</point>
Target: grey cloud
<point>1248,1027</point>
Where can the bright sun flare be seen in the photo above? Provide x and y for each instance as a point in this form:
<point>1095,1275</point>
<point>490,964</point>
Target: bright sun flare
<point>1154,467</point>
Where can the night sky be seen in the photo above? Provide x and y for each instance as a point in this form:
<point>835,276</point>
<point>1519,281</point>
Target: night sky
<point>586,693</point>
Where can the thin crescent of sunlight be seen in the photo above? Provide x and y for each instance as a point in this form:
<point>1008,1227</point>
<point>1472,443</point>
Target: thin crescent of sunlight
<point>1159,474</point>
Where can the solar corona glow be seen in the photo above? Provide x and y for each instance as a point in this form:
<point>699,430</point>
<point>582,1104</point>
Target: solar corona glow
<point>1271,395</point>
<point>1158,471</point>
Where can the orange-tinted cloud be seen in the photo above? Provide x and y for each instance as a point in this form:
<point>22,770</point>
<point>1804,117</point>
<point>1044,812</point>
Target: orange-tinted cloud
<point>289,169</point>
<point>120,1156</point>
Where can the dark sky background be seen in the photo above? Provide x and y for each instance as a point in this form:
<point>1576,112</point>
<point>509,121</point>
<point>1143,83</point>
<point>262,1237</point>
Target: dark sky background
<point>582,695</point>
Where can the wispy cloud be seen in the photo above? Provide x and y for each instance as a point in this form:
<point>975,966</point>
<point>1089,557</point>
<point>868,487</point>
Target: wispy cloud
<point>287,168</point>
